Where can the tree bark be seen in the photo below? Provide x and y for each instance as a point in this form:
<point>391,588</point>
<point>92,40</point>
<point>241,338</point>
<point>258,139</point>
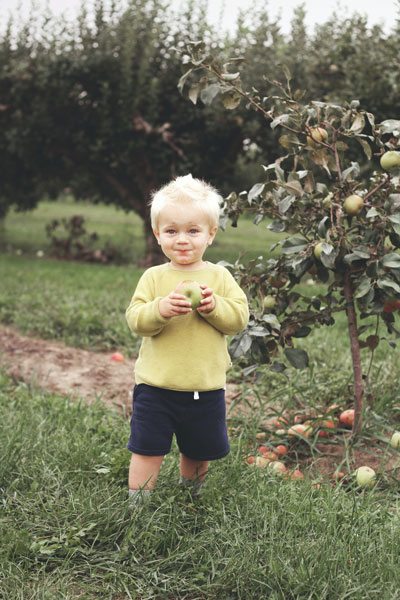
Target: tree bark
<point>355,352</point>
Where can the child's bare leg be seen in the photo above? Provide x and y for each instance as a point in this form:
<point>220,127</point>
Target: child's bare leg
<point>143,471</point>
<point>193,470</point>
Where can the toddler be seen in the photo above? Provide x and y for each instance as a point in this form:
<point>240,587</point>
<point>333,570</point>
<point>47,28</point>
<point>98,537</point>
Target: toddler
<point>180,373</point>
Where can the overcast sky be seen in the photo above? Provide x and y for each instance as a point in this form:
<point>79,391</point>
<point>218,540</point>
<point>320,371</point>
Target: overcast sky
<point>318,11</point>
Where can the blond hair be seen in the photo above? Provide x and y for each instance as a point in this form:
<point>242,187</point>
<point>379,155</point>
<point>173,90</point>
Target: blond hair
<point>187,190</point>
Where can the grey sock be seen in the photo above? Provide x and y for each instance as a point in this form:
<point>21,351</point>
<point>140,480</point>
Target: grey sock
<point>137,496</point>
<point>194,484</point>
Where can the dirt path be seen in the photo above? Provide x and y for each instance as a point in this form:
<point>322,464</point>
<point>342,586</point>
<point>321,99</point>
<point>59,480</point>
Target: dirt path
<point>69,371</point>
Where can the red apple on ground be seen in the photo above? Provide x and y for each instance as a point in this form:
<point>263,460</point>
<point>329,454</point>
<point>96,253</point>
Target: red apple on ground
<point>347,417</point>
<point>117,357</point>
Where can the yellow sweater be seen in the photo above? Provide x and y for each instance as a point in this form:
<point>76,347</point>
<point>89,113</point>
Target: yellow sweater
<point>189,352</point>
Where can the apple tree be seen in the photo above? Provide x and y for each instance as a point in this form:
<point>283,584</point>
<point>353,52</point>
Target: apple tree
<point>341,228</point>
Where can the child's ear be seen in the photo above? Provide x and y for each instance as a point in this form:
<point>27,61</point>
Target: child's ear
<point>157,235</point>
<point>211,237</point>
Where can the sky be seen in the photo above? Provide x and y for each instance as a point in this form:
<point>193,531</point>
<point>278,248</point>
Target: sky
<point>318,11</point>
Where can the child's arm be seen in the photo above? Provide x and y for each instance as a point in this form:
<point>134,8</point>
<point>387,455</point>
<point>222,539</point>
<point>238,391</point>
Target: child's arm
<point>227,312</point>
<point>142,314</point>
<point>148,314</point>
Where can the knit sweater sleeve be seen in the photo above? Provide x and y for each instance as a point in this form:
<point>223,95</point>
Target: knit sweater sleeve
<point>231,312</point>
<point>143,314</point>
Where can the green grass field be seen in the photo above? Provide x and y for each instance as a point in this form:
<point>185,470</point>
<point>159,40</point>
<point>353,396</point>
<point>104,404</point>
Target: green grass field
<point>25,232</point>
<point>66,531</point>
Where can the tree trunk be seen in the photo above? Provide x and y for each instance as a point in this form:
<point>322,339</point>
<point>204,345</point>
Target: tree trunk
<point>355,352</point>
<point>154,254</point>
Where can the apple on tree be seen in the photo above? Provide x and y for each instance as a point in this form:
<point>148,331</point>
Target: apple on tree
<point>317,135</point>
<point>353,205</point>
<point>390,161</point>
<point>192,292</point>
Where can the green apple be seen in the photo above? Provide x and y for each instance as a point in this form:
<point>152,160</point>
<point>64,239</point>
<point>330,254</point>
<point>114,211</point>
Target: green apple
<point>366,477</point>
<point>390,161</point>
<point>317,135</point>
<point>269,302</point>
<point>318,250</point>
<point>395,440</point>
<point>192,292</point>
<point>353,204</point>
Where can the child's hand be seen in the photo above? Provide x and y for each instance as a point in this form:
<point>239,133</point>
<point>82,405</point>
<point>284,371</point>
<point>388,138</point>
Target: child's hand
<point>208,302</point>
<point>174,305</point>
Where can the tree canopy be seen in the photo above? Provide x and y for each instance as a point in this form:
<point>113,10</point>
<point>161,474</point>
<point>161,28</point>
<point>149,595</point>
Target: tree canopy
<point>93,106</point>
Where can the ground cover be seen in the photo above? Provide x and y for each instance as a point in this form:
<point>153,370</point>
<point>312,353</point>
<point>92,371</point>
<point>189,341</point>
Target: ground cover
<point>67,532</point>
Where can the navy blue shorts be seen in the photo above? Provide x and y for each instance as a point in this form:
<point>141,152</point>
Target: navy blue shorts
<point>199,425</point>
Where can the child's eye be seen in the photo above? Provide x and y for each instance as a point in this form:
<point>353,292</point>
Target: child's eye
<point>170,231</point>
<point>194,230</point>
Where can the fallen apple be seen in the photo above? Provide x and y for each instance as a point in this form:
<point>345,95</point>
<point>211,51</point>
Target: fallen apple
<point>192,292</point>
<point>280,449</point>
<point>277,466</point>
<point>117,357</point>
<point>365,477</point>
<point>390,161</point>
<point>262,461</point>
<point>395,440</point>
<point>299,430</point>
<point>297,474</point>
<point>353,205</point>
<point>347,417</point>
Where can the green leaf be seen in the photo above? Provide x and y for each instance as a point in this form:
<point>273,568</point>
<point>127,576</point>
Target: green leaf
<point>293,245</point>
<point>255,191</point>
<point>272,320</point>
<point>230,76</point>
<point>390,126</point>
<point>295,188</point>
<point>363,287</point>
<point>365,146</point>
<point>286,203</point>
<point>278,366</point>
<point>279,120</point>
<point>297,357</point>
<point>231,99</point>
<point>302,332</point>
<point>208,94</point>
<point>277,226</point>
<point>391,260</point>
<point>388,283</point>
<point>358,124</point>
<point>372,213</point>
<point>240,345</point>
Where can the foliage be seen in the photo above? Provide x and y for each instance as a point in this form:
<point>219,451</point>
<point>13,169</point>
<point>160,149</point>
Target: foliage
<point>306,193</point>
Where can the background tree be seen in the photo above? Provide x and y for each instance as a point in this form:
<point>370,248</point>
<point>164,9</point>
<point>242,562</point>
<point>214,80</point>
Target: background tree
<point>95,108</point>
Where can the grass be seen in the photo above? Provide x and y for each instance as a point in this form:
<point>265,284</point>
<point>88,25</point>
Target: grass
<point>67,532</point>
<point>24,233</point>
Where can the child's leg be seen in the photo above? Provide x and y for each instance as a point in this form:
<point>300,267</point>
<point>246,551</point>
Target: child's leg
<point>193,472</point>
<point>143,471</point>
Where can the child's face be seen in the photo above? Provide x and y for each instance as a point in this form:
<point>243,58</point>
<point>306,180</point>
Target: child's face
<point>184,233</point>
